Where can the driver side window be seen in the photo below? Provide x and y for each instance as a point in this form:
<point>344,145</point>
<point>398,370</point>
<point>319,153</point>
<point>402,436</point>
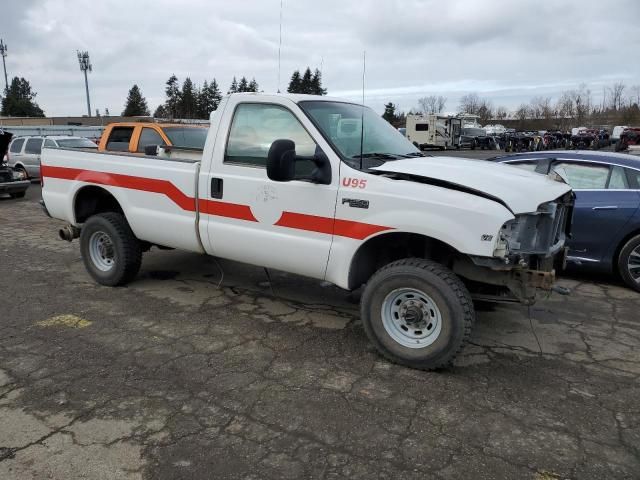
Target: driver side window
<point>256,126</point>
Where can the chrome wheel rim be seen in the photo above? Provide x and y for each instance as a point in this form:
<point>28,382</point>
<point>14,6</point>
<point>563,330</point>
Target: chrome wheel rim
<point>633,264</point>
<point>411,318</point>
<point>102,251</point>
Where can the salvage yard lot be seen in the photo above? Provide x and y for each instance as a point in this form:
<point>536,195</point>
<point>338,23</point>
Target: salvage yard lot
<point>189,373</point>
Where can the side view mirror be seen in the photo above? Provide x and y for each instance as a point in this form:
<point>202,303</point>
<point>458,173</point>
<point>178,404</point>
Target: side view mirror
<point>151,150</point>
<point>281,163</point>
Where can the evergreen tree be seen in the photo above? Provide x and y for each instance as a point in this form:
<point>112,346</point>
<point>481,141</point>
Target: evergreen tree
<point>316,84</point>
<point>243,85</point>
<point>253,86</point>
<point>172,92</point>
<point>209,99</point>
<point>295,83</point>
<point>306,85</point>
<point>389,112</point>
<point>19,100</point>
<point>234,86</point>
<point>188,100</point>
<point>136,104</point>
<point>160,112</point>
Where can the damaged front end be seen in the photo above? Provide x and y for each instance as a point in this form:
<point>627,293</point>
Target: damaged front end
<point>528,249</point>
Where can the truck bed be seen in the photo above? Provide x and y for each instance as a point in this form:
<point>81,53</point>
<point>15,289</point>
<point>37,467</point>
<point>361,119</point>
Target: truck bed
<point>157,195</point>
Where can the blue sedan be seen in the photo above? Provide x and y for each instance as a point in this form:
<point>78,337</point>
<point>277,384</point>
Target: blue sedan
<point>606,216</point>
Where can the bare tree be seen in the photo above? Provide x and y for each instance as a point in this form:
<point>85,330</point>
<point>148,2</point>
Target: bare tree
<point>541,107</point>
<point>523,112</point>
<point>442,102</point>
<point>428,104</point>
<point>501,113</point>
<point>616,93</point>
<point>485,111</point>
<point>469,103</point>
<point>635,95</point>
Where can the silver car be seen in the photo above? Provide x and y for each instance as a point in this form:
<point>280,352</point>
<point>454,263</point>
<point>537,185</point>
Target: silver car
<point>24,152</point>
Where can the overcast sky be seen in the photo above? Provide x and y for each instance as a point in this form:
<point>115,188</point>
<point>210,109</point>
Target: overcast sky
<point>506,50</point>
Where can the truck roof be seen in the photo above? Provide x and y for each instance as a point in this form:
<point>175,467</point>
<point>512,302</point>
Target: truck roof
<point>294,97</point>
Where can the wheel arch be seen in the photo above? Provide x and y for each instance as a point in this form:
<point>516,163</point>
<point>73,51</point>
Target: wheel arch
<point>387,247</point>
<point>92,199</point>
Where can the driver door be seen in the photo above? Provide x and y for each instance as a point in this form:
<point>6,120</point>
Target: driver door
<point>252,219</point>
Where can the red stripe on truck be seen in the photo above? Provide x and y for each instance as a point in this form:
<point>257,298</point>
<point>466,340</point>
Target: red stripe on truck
<point>298,221</point>
<point>153,185</point>
<point>342,228</point>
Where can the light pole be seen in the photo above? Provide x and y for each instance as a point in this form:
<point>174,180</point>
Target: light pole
<point>3,52</point>
<point>85,65</point>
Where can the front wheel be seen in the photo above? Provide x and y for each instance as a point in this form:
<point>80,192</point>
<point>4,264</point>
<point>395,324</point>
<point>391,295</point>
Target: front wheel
<point>629,263</point>
<point>417,313</point>
<point>110,251</point>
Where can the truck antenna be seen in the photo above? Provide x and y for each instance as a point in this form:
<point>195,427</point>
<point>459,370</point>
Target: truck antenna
<point>364,69</point>
<point>279,46</point>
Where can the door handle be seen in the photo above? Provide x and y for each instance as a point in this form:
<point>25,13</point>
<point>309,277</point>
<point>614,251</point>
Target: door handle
<point>216,188</point>
<point>608,207</point>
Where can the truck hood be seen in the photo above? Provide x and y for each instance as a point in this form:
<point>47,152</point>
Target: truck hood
<point>521,191</point>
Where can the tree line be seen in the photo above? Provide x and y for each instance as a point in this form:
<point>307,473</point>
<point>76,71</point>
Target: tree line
<point>19,100</point>
<point>620,105</point>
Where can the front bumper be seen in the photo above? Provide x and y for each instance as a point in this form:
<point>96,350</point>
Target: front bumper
<point>14,187</point>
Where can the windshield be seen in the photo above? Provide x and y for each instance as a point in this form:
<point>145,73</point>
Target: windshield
<point>188,137</point>
<point>76,143</point>
<point>341,124</point>
<point>476,132</point>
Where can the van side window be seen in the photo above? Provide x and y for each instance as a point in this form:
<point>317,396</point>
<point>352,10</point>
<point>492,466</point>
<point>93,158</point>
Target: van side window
<point>33,146</point>
<point>16,146</point>
<point>149,136</point>
<point>49,143</point>
<point>256,126</point>
<point>119,139</point>
<point>422,127</point>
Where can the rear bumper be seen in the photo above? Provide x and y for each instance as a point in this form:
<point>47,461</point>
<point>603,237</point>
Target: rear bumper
<point>14,187</point>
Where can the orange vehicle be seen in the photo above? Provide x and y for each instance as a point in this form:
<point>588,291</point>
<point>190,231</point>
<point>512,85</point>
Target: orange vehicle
<point>135,136</point>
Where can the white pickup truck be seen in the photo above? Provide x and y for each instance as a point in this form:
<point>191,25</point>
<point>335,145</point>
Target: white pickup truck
<point>327,189</point>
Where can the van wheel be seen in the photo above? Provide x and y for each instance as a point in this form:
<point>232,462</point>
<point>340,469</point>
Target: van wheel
<point>417,313</point>
<point>629,263</point>
<point>22,172</point>
<point>111,253</point>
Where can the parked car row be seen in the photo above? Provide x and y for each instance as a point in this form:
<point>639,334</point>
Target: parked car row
<point>11,182</point>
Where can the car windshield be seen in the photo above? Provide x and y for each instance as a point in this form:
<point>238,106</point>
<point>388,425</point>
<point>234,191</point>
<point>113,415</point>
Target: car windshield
<point>76,143</point>
<point>188,137</point>
<point>354,130</point>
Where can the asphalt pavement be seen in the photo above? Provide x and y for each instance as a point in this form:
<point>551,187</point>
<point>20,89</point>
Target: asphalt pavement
<point>202,368</point>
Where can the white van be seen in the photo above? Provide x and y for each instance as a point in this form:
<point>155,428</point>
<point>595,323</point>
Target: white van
<point>615,135</point>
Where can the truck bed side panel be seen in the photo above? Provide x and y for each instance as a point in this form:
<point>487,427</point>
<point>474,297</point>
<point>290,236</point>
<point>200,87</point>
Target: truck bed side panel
<point>158,196</point>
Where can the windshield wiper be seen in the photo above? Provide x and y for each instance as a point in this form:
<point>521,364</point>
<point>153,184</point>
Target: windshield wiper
<point>386,156</point>
<point>414,154</point>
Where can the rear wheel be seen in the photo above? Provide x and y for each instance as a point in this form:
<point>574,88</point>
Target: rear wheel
<point>629,263</point>
<point>110,251</point>
<point>417,313</point>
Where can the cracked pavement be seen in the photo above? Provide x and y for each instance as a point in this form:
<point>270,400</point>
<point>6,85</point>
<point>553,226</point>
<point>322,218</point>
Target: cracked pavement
<point>188,373</point>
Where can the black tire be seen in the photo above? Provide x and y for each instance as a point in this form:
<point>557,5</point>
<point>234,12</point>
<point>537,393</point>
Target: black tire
<point>623,262</point>
<point>473,145</point>
<point>17,195</point>
<point>126,249</point>
<point>446,291</point>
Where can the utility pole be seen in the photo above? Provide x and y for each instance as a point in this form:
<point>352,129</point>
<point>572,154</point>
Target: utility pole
<point>3,52</point>
<point>85,65</point>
